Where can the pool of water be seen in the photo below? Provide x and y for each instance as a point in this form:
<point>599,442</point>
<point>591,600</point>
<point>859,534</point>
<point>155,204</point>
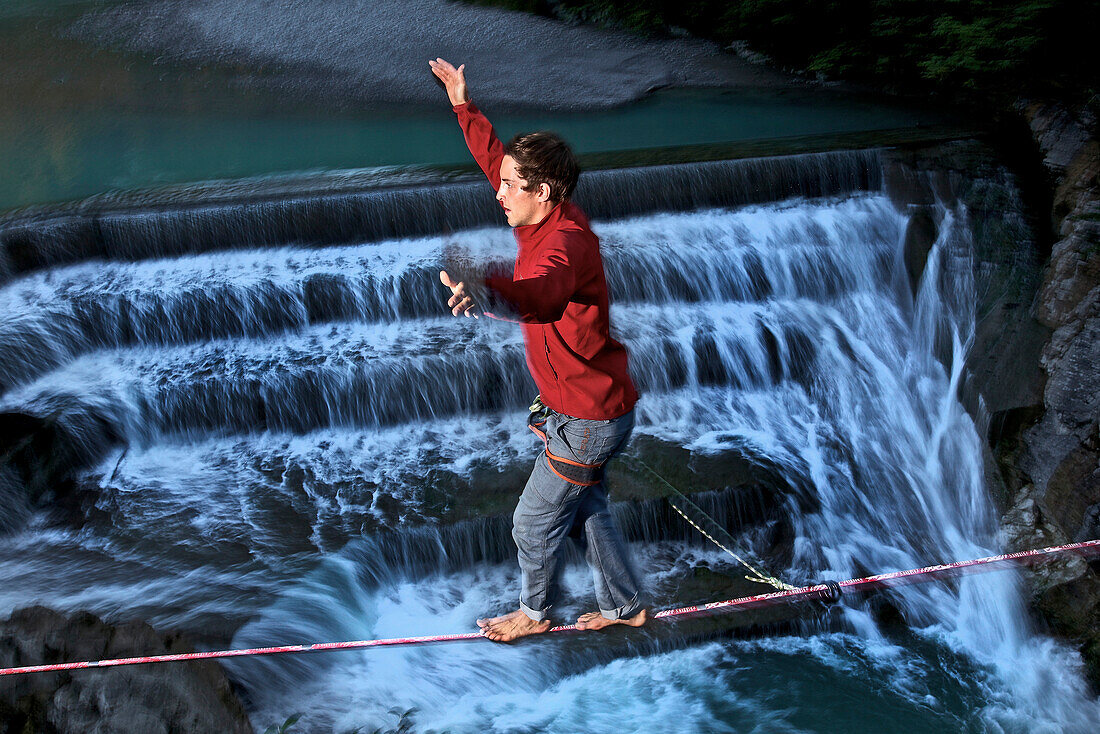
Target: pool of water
<point>82,119</point>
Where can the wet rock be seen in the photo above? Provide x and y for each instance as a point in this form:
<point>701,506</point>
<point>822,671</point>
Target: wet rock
<point>1064,590</point>
<point>924,176</point>
<point>1090,527</point>
<point>905,184</point>
<point>920,235</point>
<point>55,437</point>
<point>15,507</point>
<point>1074,486</point>
<point>170,697</point>
<point>1034,365</point>
<point>637,476</point>
<point>1051,466</point>
<point>1003,365</point>
<point>1061,453</point>
<point>1061,134</point>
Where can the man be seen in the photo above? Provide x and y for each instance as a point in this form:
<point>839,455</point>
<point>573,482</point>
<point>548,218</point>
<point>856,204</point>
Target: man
<point>585,410</point>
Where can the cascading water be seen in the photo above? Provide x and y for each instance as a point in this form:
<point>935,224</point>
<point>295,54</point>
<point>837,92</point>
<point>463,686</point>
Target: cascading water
<point>300,423</point>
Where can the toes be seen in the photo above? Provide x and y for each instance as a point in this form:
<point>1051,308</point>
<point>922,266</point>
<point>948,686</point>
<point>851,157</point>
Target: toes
<point>499,636</point>
<point>585,620</point>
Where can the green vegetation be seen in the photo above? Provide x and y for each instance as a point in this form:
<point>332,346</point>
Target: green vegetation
<point>284,727</point>
<point>975,51</point>
<point>406,720</point>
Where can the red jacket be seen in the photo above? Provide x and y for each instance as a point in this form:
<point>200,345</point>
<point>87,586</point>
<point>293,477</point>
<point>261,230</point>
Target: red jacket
<point>559,290</point>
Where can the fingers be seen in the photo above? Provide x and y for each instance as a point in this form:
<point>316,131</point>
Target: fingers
<point>457,288</point>
<point>444,69</point>
<point>463,306</point>
<point>460,302</point>
<point>452,79</point>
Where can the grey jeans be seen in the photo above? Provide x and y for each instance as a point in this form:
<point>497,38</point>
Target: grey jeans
<point>553,508</point>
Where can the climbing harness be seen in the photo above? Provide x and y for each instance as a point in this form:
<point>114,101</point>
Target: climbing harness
<point>574,472</point>
<point>806,593</point>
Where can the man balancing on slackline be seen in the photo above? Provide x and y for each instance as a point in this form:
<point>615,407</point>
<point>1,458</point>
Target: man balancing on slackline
<point>585,409</point>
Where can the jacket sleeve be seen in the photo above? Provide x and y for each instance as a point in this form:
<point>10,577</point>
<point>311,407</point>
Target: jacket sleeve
<point>541,298</point>
<point>482,141</point>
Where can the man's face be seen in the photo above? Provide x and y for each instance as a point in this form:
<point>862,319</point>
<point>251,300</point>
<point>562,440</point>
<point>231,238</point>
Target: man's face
<point>521,207</point>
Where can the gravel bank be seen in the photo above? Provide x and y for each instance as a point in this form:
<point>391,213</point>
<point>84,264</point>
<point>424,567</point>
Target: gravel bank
<point>348,53</point>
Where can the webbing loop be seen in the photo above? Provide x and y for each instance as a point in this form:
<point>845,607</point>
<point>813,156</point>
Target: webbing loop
<point>832,592</point>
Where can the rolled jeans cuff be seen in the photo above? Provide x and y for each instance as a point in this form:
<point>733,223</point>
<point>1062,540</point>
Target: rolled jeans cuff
<point>534,614</point>
<point>626,611</point>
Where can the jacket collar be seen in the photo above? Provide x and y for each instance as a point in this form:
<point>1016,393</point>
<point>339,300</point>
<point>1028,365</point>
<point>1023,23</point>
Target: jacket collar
<point>533,234</point>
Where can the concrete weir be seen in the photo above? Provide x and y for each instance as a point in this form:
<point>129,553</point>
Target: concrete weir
<point>211,218</point>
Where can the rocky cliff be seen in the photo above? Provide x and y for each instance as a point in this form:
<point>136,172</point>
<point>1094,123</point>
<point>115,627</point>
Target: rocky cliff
<point>1048,451</point>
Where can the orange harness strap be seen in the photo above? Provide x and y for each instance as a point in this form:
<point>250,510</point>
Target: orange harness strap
<point>574,472</point>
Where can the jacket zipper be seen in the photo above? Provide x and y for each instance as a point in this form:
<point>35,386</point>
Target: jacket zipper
<point>549,364</point>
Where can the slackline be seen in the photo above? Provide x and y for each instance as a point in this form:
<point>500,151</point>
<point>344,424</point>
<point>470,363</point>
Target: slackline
<point>827,591</point>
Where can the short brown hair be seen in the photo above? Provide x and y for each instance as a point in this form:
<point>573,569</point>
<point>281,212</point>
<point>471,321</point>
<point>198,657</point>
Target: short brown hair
<point>544,158</point>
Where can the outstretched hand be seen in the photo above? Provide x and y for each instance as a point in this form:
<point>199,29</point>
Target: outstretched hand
<point>460,302</point>
<point>454,80</point>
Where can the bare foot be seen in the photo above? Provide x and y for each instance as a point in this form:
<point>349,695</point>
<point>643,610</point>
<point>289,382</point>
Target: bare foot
<point>486,623</point>
<point>511,627</point>
<point>596,621</point>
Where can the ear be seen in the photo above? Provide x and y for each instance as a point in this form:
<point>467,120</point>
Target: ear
<point>544,192</point>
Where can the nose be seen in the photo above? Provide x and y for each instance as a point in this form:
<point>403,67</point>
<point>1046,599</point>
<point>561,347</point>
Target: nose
<point>500,193</point>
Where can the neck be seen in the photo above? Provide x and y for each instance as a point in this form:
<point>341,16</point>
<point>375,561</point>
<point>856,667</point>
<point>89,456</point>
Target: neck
<point>542,210</point>
<point>540,213</point>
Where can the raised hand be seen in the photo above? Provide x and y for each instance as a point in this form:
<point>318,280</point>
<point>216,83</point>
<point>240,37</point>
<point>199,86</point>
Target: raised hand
<point>454,80</point>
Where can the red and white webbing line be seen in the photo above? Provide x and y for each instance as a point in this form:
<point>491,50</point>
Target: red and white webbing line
<point>817,591</point>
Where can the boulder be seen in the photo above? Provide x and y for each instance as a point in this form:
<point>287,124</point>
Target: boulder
<point>192,696</point>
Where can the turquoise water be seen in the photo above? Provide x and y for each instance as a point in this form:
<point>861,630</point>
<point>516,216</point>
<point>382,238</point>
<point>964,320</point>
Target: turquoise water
<point>81,120</point>
<point>60,156</point>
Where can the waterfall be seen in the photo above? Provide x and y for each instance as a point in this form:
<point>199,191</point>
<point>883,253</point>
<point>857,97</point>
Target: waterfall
<point>289,438</point>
